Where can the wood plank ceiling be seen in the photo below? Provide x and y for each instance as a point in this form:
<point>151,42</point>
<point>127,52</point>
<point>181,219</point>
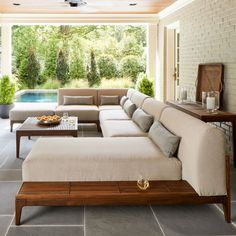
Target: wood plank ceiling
<point>91,6</point>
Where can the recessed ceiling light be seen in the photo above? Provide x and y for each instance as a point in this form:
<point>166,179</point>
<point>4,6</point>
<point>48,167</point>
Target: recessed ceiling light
<point>16,4</point>
<point>133,4</point>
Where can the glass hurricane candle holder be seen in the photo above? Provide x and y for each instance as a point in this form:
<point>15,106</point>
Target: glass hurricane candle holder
<point>142,183</point>
<point>210,102</point>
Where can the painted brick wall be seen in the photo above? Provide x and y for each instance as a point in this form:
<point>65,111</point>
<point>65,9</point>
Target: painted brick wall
<point>207,34</point>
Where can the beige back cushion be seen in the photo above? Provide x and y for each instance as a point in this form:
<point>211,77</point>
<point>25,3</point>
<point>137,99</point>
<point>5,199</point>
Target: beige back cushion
<point>111,92</point>
<point>76,92</point>
<point>153,107</point>
<point>130,92</point>
<point>138,98</point>
<point>201,151</point>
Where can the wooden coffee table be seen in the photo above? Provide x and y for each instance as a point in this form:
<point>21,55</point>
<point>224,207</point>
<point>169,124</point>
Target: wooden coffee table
<point>31,128</point>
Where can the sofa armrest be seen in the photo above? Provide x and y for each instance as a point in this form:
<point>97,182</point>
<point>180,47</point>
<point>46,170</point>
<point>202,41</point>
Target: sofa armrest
<point>201,151</point>
<point>205,169</point>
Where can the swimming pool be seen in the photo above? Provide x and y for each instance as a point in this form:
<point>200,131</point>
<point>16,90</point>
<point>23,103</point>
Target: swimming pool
<point>36,96</point>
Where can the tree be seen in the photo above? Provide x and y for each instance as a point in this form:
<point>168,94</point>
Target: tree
<point>77,68</point>
<point>50,60</point>
<point>144,85</point>
<point>107,66</point>
<point>62,68</point>
<point>131,67</point>
<point>92,73</point>
<point>29,70</point>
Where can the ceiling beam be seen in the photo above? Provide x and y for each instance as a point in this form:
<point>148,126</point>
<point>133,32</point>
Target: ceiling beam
<point>78,19</point>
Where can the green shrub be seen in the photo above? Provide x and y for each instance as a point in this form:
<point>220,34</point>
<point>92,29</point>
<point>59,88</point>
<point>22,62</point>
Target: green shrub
<point>51,84</point>
<point>62,68</point>
<point>117,83</point>
<point>7,90</point>
<point>107,66</point>
<point>92,73</point>
<point>144,85</point>
<point>29,70</point>
<point>131,67</point>
<point>77,84</point>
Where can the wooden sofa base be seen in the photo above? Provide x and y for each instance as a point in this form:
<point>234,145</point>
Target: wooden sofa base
<point>111,193</point>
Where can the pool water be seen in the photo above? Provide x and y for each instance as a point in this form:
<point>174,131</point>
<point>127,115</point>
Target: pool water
<point>37,96</point>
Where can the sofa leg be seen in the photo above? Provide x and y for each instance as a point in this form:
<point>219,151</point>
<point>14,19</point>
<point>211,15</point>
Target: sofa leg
<point>19,205</point>
<point>227,200</point>
<point>227,210</point>
<point>98,126</point>
<point>11,126</point>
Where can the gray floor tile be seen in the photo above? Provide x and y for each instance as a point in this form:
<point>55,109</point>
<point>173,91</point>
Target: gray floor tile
<point>5,221</point>
<point>233,213</point>
<point>52,216</point>
<point>46,231</point>
<point>10,175</point>
<point>192,220</point>
<point>8,191</point>
<point>121,221</point>
<point>233,185</point>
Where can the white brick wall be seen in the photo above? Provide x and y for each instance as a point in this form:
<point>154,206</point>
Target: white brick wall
<point>207,34</point>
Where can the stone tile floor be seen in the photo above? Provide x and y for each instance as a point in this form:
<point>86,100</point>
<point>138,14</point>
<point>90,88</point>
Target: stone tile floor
<point>99,220</point>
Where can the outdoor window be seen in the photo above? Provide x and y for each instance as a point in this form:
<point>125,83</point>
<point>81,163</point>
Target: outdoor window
<point>107,56</point>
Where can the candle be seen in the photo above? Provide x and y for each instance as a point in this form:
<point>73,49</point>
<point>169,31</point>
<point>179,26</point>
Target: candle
<point>210,103</point>
<point>183,95</point>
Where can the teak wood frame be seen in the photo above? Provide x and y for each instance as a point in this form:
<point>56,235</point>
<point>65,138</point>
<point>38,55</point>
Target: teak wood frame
<point>115,193</point>
<point>12,122</point>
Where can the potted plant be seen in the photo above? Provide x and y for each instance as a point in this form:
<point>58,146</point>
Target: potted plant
<point>7,94</point>
<point>144,85</point>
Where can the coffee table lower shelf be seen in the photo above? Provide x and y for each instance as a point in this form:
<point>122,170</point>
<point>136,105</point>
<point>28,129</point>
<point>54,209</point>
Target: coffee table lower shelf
<point>111,193</point>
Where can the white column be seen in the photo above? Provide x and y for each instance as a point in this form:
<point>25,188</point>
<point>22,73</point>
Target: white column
<point>152,53</point>
<point>6,67</point>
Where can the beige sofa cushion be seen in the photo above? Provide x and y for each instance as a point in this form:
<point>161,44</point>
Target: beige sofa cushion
<point>111,92</point>
<point>201,151</point>
<point>130,92</point>
<point>138,98</point>
<point>22,111</point>
<point>153,107</point>
<point>121,128</point>
<point>109,159</point>
<point>77,92</point>
<point>110,107</point>
<point>112,115</point>
<point>83,112</point>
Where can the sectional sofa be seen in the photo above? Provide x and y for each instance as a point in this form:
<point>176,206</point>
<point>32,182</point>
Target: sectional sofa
<point>127,151</point>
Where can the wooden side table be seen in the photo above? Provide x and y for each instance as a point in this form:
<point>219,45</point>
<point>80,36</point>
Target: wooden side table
<point>196,110</point>
<point>30,127</point>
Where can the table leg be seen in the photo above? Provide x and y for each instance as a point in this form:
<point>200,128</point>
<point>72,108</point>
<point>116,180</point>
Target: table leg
<point>18,136</point>
<point>234,141</point>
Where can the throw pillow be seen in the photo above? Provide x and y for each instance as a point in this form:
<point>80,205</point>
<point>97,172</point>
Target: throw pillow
<point>123,100</point>
<point>164,139</point>
<point>109,100</point>
<point>78,100</point>
<point>129,108</point>
<point>142,119</point>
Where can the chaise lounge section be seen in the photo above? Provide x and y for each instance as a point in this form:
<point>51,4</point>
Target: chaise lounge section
<point>197,172</point>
